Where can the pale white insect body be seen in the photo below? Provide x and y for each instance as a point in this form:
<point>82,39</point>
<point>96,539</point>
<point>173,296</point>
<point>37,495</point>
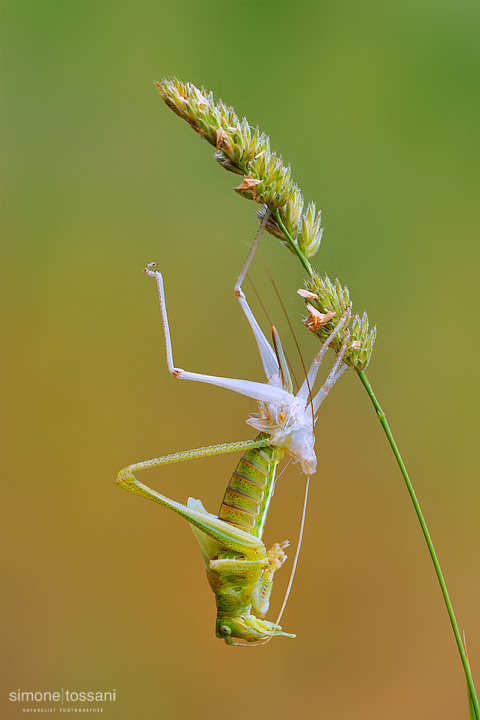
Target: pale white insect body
<point>239,567</point>
<point>287,418</point>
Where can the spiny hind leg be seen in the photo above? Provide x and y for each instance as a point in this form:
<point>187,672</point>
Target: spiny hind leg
<point>229,536</point>
<point>245,567</point>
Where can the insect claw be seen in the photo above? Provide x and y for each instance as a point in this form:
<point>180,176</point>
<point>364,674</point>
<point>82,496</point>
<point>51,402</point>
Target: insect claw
<point>150,269</point>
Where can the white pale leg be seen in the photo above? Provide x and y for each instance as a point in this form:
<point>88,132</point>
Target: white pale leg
<point>335,373</point>
<point>255,390</point>
<point>267,355</point>
<point>151,271</point>
<point>327,386</point>
<point>269,361</point>
<point>309,381</point>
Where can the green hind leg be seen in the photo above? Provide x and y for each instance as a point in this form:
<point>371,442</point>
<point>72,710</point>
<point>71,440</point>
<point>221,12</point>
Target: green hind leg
<point>229,536</point>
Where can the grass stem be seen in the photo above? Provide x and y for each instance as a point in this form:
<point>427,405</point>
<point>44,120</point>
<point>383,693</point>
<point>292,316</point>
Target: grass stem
<point>472,696</point>
<point>292,244</point>
<point>428,540</point>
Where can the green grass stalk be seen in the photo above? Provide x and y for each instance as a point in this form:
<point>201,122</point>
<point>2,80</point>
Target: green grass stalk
<point>473,701</point>
<point>293,245</point>
<point>246,151</point>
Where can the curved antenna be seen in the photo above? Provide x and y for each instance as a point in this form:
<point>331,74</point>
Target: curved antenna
<point>297,555</point>
<point>284,310</point>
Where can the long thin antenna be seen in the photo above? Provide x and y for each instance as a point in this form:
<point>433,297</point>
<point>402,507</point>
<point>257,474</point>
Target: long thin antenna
<point>297,555</point>
<point>284,309</point>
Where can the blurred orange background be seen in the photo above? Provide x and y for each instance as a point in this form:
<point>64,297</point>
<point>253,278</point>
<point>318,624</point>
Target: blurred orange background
<point>375,105</point>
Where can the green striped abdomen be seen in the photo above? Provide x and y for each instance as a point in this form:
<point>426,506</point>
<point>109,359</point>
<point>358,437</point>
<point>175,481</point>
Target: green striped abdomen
<point>247,497</point>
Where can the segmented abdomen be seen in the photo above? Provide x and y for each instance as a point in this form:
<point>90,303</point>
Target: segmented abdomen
<point>247,497</point>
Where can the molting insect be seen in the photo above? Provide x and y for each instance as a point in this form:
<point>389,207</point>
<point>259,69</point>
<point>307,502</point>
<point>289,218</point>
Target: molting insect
<point>239,568</point>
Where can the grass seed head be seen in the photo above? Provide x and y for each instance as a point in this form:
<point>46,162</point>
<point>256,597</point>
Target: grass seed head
<point>327,302</point>
<point>244,150</point>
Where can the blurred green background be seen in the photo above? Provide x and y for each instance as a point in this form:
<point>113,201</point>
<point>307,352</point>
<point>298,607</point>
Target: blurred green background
<point>375,105</point>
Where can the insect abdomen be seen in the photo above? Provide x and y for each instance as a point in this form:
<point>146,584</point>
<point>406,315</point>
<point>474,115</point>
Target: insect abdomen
<point>248,494</point>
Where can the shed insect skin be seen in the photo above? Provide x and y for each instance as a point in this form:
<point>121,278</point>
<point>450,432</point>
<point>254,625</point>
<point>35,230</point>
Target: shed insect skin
<point>239,568</point>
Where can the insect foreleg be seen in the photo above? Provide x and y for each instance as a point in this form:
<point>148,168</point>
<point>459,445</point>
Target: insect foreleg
<point>238,566</point>
<point>249,569</point>
<point>261,595</point>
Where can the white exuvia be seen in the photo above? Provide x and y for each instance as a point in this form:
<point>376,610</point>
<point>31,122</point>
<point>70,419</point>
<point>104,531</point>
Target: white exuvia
<point>287,418</point>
